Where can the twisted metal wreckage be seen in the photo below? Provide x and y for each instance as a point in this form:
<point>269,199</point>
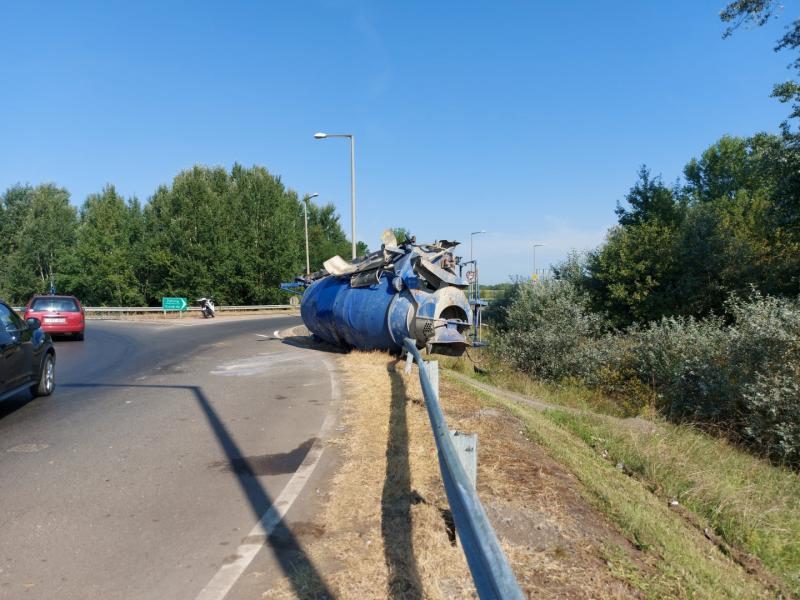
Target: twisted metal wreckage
<point>404,290</point>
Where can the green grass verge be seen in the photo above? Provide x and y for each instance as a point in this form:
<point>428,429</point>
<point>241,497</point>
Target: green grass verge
<point>749,503</point>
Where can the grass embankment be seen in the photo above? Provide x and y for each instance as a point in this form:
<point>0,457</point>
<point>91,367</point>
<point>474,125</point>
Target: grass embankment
<point>746,507</point>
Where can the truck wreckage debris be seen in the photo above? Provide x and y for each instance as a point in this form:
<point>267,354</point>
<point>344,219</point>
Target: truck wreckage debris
<point>404,290</point>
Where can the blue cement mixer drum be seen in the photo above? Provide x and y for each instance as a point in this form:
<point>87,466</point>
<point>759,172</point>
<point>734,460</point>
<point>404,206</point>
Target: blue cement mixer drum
<point>374,303</point>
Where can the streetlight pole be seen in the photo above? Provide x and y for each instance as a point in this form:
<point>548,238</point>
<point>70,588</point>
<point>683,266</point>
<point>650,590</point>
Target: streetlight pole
<point>322,136</point>
<point>305,219</point>
<point>535,246</point>
<point>470,242</point>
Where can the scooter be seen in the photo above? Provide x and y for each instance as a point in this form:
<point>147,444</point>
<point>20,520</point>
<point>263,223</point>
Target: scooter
<point>207,307</point>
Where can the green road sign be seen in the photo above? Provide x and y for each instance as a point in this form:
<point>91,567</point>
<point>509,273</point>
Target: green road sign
<point>174,304</point>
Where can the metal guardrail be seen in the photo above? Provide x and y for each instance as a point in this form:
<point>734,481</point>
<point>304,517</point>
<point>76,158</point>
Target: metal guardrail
<point>158,309</point>
<point>490,570</point>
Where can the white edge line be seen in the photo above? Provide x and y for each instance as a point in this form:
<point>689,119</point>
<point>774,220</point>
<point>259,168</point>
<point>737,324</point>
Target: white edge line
<point>228,574</point>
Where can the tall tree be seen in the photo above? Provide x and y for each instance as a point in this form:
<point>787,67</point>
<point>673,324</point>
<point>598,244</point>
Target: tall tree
<point>38,233</point>
<point>234,236</point>
<point>650,200</point>
<point>105,262</point>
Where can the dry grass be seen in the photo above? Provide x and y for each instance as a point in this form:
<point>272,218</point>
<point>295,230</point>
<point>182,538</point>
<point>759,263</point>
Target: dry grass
<point>385,529</point>
<point>385,535</point>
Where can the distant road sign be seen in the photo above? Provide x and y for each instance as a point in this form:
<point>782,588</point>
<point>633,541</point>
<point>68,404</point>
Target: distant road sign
<point>534,277</point>
<point>174,304</point>
<point>472,276</point>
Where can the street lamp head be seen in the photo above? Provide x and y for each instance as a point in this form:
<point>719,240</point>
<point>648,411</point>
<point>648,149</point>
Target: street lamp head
<point>320,135</point>
<point>310,196</point>
<point>477,232</point>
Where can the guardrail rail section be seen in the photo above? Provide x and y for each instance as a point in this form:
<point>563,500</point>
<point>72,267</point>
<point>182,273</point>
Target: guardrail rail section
<point>158,309</point>
<point>490,570</point>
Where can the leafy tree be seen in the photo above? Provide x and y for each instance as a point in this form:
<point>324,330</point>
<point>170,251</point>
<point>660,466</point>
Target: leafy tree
<point>234,236</point>
<point>649,200</point>
<point>632,276</point>
<point>37,232</point>
<point>106,254</point>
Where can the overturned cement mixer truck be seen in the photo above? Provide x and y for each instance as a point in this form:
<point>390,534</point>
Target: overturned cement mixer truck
<point>404,290</point>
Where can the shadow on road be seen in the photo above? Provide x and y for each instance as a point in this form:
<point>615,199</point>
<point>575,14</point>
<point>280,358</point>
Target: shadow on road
<point>14,403</point>
<point>294,563</point>
<point>397,498</point>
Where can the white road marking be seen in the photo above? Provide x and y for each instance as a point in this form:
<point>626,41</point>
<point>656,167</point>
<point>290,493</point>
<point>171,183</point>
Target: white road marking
<point>264,336</point>
<point>277,334</point>
<point>228,574</point>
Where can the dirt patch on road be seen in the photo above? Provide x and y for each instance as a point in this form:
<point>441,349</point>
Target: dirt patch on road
<point>386,521</point>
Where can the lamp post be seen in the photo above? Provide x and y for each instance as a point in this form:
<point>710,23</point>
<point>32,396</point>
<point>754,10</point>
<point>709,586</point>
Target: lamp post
<point>470,242</point>
<point>305,220</point>
<point>322,136</point>
<point>535,246</point>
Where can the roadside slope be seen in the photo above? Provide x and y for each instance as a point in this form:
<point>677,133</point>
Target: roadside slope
<point>571,524</point>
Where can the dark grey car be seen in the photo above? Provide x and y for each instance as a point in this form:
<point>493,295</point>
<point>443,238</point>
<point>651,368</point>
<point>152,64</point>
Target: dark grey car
<point>27,356</point>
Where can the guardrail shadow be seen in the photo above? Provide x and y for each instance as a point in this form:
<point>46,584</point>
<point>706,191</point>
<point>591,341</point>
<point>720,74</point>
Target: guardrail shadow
<point>295,564</point>
<point>397,498</point>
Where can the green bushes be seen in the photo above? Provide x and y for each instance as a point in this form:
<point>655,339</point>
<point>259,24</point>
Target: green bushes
<point>738,374</point>
<point>544,327</point>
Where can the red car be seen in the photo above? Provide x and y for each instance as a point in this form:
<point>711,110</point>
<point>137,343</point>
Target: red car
<point>58,314</point>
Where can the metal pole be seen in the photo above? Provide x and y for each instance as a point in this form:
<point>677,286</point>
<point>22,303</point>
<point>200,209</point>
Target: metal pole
<point>534,256</point>
<point>321,136</point>
<point>305,219</point>
<point>353,191</point>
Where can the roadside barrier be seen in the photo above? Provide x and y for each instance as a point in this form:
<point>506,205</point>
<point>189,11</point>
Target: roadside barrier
<point>133,310</point>
<point>490,570</point>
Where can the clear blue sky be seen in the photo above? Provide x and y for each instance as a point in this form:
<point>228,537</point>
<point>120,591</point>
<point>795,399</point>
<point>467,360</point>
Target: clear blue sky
<point>526,119</point>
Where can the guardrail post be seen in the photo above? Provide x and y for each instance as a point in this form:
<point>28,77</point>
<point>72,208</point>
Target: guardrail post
<point>467,449</point>
<point>409,363</point>
<point>432,367</point>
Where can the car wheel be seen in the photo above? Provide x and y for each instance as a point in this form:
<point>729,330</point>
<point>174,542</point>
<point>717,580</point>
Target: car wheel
<point>47,378</point>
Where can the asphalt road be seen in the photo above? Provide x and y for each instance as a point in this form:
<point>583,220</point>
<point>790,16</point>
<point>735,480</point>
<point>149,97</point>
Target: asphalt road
<point>144,475</point>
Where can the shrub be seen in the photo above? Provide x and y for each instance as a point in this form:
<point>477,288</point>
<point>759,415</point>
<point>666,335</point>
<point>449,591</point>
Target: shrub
<point>772,416</point>
<point>686,363</point>
<point>738,374</point>
<point>545,325</point>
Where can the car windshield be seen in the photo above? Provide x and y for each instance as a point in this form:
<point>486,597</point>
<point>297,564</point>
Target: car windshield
<point>54,305</point>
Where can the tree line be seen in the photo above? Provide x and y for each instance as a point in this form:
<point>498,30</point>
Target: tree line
<point>232,235</point>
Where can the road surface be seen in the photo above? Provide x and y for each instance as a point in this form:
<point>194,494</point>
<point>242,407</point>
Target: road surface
<point>146,472</point>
